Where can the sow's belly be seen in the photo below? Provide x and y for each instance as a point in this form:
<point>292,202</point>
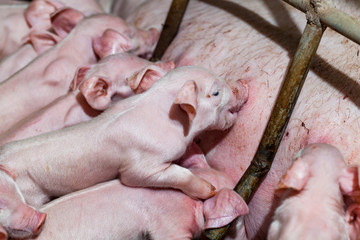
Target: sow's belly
<point>255,41</point>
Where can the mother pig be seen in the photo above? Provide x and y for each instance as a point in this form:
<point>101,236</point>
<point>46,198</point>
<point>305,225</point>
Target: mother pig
<point>255,40</point>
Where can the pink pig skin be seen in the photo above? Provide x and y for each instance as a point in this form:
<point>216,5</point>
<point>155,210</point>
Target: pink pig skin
<point>86,214</point>
<point>139,212</point>
<point>110,77</point>
<point>11,37</point>
<point>37,42</point>
<point>50,74</point>
<point>120,140</point>
<point>18,219</point>
<point>312,205</point>
<point>37,39</point>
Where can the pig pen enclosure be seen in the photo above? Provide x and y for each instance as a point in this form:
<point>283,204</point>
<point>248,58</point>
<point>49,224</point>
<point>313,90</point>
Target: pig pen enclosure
<point>300,62</point>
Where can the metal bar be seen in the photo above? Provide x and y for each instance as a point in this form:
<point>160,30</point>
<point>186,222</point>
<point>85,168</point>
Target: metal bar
<point>290,90</point>
<point>170,28</point>
<point>330,16</point>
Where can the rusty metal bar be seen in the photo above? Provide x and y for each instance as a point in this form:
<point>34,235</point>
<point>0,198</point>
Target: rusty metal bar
<point>290,90</point>
<point>170,28</point>
<point>331,17</point>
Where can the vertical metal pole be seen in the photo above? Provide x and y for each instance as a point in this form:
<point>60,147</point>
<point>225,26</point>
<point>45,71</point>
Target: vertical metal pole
<point>170,28</point>
<point>279,118</point>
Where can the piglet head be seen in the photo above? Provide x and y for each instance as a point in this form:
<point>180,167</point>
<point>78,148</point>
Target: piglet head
<point>25,222</point>
<point>117,76</point>
<point>313,178</point>
<point>209,101</point>
<point>19,219</point>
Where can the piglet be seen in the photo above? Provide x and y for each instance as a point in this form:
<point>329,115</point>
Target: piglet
<point>113,78</point>
<point>312,205</point>
<point>136,139</point>
<point>36,42</point>
<point>17,219</point>
<point>143,213</point>
<point>49,75</point>
<point>42,18</point>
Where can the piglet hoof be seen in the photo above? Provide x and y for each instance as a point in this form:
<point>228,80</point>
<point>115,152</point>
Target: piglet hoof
<point>199,188</point>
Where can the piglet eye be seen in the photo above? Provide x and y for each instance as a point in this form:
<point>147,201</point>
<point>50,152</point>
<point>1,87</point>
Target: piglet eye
<point>216,93</point>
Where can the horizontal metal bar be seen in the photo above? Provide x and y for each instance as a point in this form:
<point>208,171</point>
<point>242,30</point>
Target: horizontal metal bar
<point>331,17</point>
<point>290,90</point>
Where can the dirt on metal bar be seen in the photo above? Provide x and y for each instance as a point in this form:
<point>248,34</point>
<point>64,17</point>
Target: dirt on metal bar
<point>290,90</point>
<point>170,28</point>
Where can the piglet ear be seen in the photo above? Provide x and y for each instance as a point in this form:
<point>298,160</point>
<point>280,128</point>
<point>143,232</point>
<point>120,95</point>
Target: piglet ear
<point>143,80</point>
<point>349,181</point>
<point>79,77</point>
<point>187,98</point>
<point>3,233</point>
<point>111,42</point>
<point>37,14</point>
<point>223,208</point>
<point>64,20</point>
<point>295,177</point>
<point>96,92</point>
<point>353,220</point>
<point>42,40</point>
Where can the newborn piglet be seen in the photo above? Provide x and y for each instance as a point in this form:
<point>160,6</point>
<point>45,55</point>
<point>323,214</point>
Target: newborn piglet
<point>136,139</point>
<point>140,213</point>
<point>312,205</point>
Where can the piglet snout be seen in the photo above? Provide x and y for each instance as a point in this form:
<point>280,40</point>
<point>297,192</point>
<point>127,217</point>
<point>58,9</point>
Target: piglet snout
<point>240,92</point>
<point>37,222</point>
<point>28,223</point>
